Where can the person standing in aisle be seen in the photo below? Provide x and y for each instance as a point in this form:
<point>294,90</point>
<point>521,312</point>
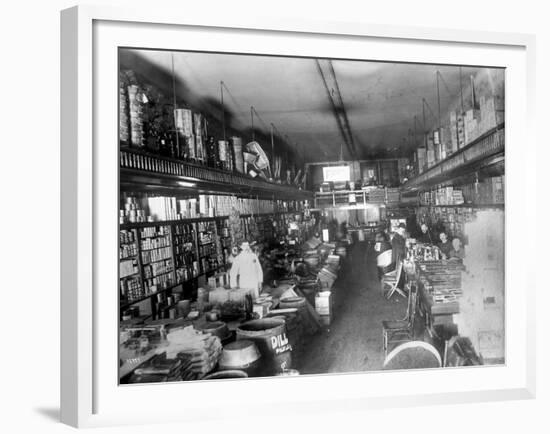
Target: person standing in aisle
<point>398,244</point>
<point>399,250</point>
<point>246,271</point>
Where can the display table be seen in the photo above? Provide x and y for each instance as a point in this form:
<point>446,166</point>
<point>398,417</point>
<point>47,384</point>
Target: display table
<point>438,286</point>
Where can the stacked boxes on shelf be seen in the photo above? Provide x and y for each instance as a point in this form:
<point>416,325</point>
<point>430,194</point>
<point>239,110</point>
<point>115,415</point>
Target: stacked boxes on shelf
<point>453,130</point>
<point>224,204</point>
<point>488,114</point>
<point>446,142</point>
<point>442,196</point>
<point>489,191</point>
<point>461,132</point>
<point>156,258</point>
<point>185,252</point>
<point>468,126</point>
<point>421,160</point>
<point>153,124</point>
<point>249,228</point>
<point>130,281</point>
<point>451,218</point>
<point>168,208</point>
<point>471,127</point>
<point>132,211</point>
<point>439,149</point>
<point>162,208</point>
<point>439,206</point>
<point>430,152</point>
<point>208,254</point>
<point>224,237</point>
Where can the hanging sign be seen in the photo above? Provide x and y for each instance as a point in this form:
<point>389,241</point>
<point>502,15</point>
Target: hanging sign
<point>336,173</point>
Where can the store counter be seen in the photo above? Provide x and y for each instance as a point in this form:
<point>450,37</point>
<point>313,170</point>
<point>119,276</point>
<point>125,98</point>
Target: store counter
<point>438,284</point>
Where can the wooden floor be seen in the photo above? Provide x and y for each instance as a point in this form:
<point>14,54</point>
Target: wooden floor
<point>353,342</point>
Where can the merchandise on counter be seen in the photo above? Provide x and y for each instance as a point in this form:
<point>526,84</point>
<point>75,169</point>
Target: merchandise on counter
<point>183,308</point>
<point>161,369</point>
<point>261,309</point>
<point>216,328</point>
<point>323,303</point>
<point>326,278</point>
<point>218,296</point>
<point>204,350</point>
<point>219,280</point>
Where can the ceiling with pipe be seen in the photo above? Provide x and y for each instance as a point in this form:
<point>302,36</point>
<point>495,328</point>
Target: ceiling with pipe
<point>326,109</point>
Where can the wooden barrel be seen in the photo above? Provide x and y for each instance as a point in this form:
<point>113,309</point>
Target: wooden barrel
<point>292,302</point>
<point>270,336</point>
<point>295,324</point>
<point>242,355</point>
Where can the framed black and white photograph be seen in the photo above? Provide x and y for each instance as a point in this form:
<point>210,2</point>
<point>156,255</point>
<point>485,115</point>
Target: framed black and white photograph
<point>299,214</point>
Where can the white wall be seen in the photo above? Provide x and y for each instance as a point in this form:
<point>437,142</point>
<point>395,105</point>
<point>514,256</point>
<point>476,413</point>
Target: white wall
<point>29,79</point>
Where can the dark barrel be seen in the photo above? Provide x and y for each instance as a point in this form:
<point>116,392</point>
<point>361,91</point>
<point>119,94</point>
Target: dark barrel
<point>270,336</point>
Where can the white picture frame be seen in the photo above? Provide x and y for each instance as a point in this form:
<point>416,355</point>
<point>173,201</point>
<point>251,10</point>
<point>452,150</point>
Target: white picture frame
<point>90,395</point>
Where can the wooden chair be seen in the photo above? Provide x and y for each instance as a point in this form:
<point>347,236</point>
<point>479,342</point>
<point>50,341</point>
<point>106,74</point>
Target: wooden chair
<point>384,259</point>
<point>391,280</point>
<point>400,330</point>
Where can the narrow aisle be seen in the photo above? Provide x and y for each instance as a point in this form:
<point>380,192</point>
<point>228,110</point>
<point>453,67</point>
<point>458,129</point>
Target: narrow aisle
<point>354,341</point>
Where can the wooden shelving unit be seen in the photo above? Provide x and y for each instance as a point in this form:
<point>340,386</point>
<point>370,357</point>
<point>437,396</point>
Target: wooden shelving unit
<point>341,198</point>
<point>184,247</point>
<point>485,151</point>
<point>468,205</point>
<point>148,172</point>
<point>200,246</point>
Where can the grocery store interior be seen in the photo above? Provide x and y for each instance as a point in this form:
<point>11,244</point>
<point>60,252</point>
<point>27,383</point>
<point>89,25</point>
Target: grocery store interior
<point>284,216</point>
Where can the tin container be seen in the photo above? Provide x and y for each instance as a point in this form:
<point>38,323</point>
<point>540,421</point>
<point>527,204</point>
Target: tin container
<point>222,150</point>
<point>237,144</point>
<point>190,147</point>
<point>135,97</point>
<point>242,355</point>
<point>184,122</point>
<point>197,123</point>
